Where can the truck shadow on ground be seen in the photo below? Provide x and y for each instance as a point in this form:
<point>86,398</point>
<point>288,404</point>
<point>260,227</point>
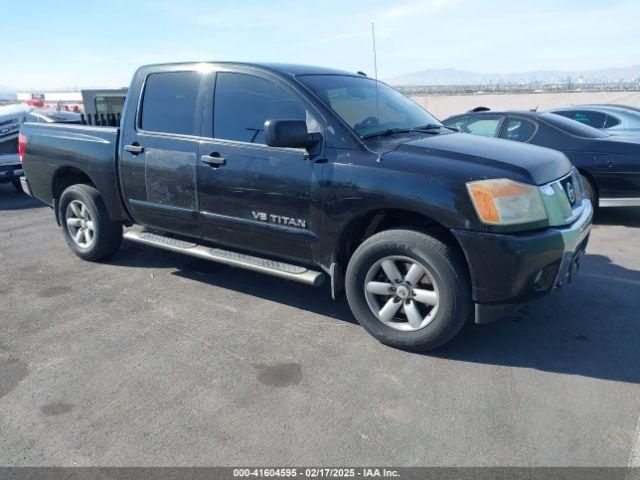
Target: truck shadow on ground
<point>11,199</point>
<point>591,328</point>
<point>315,300</point>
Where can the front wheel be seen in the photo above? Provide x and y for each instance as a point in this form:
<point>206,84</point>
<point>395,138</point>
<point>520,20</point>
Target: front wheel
<point>408,289</point>
<point>86,224</point>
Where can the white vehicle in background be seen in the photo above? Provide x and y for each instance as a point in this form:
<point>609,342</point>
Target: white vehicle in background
<point>11,118</point>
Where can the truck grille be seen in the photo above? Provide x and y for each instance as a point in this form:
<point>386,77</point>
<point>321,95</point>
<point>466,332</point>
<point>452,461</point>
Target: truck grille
<point>564,199</point>
<point>569,187</point>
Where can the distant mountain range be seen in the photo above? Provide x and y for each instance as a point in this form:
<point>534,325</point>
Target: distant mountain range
<point>451,76</point>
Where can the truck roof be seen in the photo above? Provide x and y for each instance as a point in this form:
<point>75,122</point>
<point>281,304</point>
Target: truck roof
<point>288,69</point>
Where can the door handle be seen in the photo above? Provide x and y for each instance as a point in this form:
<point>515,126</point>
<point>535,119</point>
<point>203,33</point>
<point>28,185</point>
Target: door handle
<point>214,160</point>
<point>134,148</point>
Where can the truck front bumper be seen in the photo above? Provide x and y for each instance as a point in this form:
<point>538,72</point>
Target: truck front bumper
<point>510,269</point>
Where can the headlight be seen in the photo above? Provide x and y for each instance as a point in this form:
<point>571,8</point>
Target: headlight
<point>504,202</point>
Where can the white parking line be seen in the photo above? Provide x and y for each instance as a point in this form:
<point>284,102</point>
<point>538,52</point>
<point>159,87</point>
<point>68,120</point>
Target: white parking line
<point>634,456</point>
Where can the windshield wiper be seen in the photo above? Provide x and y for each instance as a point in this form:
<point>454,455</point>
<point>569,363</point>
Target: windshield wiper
<point>388,131</point>
<point>433,126</point>
<point>422,129</point>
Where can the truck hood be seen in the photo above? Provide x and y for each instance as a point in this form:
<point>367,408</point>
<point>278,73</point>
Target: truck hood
<point>541,165</point>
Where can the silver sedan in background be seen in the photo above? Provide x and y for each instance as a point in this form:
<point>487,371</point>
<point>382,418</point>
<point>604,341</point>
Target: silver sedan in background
<point>614,119</point>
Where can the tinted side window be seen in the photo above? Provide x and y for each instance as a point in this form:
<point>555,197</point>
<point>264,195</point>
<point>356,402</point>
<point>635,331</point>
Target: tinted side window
<point>518,129</point>
<point>170,102</point>
<point>244,102</point>
<point>593,119</point>
<point>611,121</point>
<point>483,125</point>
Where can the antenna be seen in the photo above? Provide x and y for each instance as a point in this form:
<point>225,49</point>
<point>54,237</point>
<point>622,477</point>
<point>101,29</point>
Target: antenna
<point>375,74</point>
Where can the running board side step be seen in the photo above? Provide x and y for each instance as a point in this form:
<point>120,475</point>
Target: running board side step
<point>234,259</point>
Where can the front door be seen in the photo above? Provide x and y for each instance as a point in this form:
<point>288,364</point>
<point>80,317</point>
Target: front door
<point>251,196</point>
<point>160,153</point>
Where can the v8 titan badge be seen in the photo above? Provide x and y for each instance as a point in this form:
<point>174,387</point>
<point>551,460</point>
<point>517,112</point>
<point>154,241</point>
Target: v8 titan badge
<point>279,219</point>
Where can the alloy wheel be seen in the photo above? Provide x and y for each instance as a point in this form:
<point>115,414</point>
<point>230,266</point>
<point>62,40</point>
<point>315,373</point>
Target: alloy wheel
<point>401,293</point>
<point>80,224</point>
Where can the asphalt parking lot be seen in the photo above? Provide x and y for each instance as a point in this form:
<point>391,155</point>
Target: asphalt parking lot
<point>158,359</point>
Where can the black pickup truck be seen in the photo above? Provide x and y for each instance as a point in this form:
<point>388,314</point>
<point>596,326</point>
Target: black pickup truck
<point>309,174</point>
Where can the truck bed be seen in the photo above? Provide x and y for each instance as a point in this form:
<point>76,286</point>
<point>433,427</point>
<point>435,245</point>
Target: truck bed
<point>57,149</point>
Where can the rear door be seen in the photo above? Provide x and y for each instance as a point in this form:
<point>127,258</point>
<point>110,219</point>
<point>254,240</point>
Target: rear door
<point>252,196</point>
<point>160,152</point>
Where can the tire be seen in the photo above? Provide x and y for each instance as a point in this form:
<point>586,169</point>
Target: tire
<point>17,185</point>
<point>589,191</point>
<point>446,276</point>
<point>103,235</point>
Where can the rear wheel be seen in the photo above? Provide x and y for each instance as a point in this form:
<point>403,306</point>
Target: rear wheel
<point>17,185</point>
<point>408,289</point>
<point>86,224</point>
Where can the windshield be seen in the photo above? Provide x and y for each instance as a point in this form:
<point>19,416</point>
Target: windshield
<point>572,127</point>
<point>354,100</point>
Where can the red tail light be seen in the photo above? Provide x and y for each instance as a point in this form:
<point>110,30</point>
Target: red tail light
<point>22,146</point>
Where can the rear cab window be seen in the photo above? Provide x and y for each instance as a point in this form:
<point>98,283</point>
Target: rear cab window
<point>170,103</point>
<point>109,104</point>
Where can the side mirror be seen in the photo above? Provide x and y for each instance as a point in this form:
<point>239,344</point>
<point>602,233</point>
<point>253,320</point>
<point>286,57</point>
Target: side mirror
<point>289,134</point>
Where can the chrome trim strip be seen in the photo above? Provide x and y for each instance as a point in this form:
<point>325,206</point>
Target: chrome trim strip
<point>619,202</point>
<point>554,196</point>
<point>168,209</point>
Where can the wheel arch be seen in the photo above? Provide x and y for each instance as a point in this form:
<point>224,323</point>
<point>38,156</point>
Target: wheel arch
<point>374,221</point>
<point>63,178</point>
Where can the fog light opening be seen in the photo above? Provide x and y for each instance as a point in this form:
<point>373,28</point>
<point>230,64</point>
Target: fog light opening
<point>545,277</point>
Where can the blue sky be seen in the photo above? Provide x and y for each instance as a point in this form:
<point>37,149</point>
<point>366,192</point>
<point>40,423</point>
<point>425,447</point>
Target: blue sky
<point>84,43</point>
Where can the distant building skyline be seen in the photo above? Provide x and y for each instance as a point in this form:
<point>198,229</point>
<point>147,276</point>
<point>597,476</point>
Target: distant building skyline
<point>461,77</point>
<point>452,77</point>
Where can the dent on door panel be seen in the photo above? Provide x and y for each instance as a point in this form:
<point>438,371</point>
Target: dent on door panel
<point>170,178</point>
